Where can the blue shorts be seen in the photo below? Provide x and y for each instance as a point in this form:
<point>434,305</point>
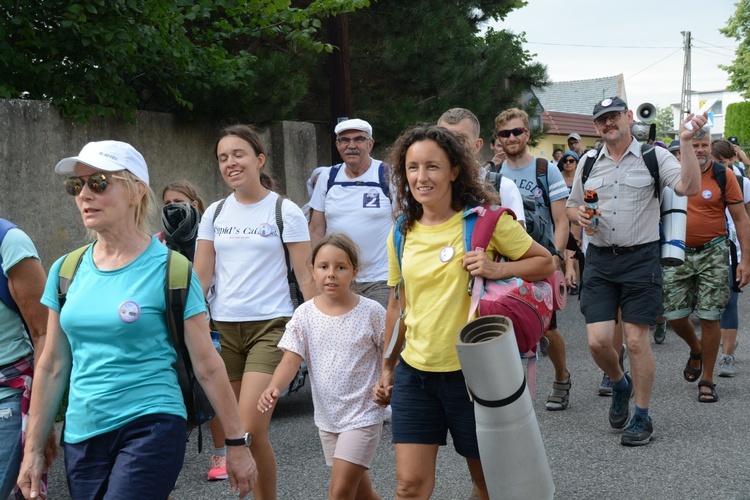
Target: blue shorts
<point>426,405</point>
<point>10,443</point>
<point>141,459</point>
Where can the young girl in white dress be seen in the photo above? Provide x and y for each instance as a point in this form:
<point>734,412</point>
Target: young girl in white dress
<point>340,334</point>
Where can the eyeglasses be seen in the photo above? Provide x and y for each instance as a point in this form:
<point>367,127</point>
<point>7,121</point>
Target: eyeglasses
<point>514,131</point>
<point>613,117</point>
<point>570,160</point>
<point>97,183</point>
<point>345,141</point>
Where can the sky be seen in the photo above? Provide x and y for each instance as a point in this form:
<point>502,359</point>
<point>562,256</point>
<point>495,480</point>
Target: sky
<point>582,39</point>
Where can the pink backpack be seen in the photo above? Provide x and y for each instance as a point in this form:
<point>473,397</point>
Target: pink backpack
<point>528,304</point>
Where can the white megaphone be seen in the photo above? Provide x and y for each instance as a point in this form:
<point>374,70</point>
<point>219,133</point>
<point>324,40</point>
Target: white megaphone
<point>646,112</point>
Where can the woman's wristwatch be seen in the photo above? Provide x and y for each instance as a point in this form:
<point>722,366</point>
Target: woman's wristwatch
<point>243,441</point>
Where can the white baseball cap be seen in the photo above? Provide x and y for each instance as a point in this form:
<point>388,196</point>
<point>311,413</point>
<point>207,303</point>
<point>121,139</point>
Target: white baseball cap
<point>354,124</point>
<point>109,156</point>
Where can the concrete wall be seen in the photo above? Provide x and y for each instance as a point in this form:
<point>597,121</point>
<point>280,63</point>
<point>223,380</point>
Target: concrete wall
<point>35,137</point>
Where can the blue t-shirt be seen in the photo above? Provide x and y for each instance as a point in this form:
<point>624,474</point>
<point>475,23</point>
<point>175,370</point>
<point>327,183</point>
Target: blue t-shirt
<point>14,342</point>
<point>115,322</point>
<point>525,179</point>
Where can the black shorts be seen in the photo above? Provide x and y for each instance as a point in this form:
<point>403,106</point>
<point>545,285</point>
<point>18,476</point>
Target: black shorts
<point>629,278</point>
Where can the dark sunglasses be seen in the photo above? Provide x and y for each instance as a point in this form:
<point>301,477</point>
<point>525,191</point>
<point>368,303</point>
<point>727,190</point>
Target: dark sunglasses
<point>97,183</point>
<point>570,160</point>
<point>514,131</point>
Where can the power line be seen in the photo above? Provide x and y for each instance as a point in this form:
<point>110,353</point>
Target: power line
<point>600,46</point>
<point>654,64</point>
<point>730,48</point>
<point>708,51</point>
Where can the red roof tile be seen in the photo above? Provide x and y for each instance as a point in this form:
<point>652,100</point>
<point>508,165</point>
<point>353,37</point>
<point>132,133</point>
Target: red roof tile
<point>566,123</point>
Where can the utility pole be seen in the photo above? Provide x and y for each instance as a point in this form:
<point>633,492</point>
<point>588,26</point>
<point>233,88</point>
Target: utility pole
<point>340,76</point>
<point>685,105</point>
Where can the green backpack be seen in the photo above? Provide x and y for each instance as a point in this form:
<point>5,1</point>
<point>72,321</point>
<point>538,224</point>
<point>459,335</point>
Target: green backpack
<point>176,288</point>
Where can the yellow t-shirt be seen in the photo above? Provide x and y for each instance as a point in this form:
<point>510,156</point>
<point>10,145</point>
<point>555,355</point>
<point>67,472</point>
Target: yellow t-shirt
<point>437,299</point>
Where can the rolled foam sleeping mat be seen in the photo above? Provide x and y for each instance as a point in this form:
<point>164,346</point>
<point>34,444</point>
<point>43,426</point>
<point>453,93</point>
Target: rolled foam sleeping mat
<point>674,224</point>
<point>512,453</point>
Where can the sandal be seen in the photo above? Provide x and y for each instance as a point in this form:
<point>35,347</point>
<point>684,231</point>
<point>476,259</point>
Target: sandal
<point>560,396</point>
<point>707,397</point>
<point>692,374</point>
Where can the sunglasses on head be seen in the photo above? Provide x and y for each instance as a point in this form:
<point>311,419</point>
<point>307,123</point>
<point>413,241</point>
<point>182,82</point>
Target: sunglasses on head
<point>514,131</point>
<point>97,183</point>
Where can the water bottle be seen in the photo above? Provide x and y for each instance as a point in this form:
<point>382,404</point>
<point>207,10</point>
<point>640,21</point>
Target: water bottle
<point>215,336</point>
<point>591,199</point>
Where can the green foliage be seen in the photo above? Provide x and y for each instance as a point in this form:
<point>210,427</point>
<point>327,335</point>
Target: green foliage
<point>737,122</point>
<point>664,121</point>
<point>413,60</point>
<point>738,27</point>
<point>107,57</point>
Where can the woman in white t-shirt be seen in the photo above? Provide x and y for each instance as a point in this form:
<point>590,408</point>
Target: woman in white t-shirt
<point>240,250</point>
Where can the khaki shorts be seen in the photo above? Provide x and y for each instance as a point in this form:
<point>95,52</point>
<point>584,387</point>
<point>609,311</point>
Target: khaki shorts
<point>251,346</point>
<point>703,275</point>
<point>356,446</point>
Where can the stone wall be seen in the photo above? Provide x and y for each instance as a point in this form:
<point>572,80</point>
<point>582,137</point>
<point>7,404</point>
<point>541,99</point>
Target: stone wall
<point>35,137</point>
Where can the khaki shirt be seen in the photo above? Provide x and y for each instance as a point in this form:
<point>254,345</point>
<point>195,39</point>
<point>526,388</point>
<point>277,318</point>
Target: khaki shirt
<point>629,211</point>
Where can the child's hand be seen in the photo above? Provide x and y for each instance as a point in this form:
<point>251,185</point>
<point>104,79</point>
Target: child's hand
<point>381,393</point>
<point>267,399</point>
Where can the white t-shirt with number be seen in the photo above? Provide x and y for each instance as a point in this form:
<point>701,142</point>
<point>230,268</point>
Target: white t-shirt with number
<point>250,270</point>
<point>361,212</point>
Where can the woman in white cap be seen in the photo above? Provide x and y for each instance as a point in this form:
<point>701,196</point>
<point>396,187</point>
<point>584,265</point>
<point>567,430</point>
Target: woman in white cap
<point>241,250</point>
<point>125,423</point>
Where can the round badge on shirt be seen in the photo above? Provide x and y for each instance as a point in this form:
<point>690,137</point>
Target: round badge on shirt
<point>129,311</point>
<point>265,229</point>
<point>446,253</point>
<point>706,194</point>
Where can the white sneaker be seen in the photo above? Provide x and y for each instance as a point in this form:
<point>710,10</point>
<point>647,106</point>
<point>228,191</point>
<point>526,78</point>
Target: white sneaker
<point>726,366</point>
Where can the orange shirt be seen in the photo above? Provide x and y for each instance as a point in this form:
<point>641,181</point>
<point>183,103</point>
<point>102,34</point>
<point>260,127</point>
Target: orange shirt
<point>705,213</point>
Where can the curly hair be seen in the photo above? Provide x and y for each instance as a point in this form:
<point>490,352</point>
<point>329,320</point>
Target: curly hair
<point>467,189</point>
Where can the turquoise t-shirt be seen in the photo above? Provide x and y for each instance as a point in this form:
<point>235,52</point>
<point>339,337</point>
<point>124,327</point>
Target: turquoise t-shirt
<point>116,325</point>
<point>15,342</point>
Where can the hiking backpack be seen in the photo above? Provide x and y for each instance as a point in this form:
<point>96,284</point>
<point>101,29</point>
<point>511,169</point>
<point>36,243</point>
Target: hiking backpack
<point>383,179</point>
<point>176,287</point>
<point>5,296</point>
<point>649,158</point>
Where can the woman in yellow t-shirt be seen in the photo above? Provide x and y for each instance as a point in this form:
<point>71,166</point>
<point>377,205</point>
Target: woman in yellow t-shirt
<point>436,178</point>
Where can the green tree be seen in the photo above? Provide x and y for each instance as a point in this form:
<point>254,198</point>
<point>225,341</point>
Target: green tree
<point>106,57</point>
<point>412,60</point>
<point>738,27</point>
<point>664,121</point>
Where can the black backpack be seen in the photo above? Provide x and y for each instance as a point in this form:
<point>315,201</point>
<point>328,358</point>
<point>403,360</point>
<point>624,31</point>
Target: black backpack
<point>176,288</point>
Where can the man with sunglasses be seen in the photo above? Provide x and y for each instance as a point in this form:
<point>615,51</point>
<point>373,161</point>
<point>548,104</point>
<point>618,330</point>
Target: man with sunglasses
<point>623,257</point>
<point>546,199</point>
<point>353,198</point>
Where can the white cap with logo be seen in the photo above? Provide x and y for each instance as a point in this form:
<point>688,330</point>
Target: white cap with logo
<point>109,156</point>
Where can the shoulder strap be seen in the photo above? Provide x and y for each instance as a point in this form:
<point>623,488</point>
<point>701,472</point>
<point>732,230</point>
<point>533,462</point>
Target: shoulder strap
<point>495,179</point>
<point>541,178</point>
<point>218,209</point>
<point>588,164</point>
<point>5,297</point>
<point>332,176</point>
<point>384,177</point>
<point>479,224</point>
<point>177,286</point>
<point>280,227</point>
<point>720,174</point>
<point>68,271</point>
<point>649,157</point>
<point>398,238</point>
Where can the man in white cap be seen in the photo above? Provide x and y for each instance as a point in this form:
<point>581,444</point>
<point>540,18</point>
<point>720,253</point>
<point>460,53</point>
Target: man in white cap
<point>353,198</point>
<point>575,144</point>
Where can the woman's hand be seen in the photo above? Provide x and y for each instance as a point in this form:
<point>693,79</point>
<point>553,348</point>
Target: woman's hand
<point>381,393</point>
<point>479,264</point>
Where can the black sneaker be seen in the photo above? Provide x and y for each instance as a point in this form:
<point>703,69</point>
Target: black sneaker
<point>619,411</point>
<point>639,432</point>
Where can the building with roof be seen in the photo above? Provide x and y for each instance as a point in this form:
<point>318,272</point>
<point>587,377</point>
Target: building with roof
<point>565,108</point>
<point>721,98</point>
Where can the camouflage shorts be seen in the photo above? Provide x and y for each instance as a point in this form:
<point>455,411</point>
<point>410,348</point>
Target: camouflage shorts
<point>702,276</point>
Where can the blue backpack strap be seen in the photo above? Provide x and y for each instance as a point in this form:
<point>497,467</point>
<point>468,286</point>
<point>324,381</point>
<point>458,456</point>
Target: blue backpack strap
<point>384,176</point>
<point>332,176</point>
<point>5,297</point>
<point>398,238</point>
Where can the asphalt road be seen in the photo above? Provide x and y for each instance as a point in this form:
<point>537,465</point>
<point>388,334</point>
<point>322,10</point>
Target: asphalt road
<point>701,451</point>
